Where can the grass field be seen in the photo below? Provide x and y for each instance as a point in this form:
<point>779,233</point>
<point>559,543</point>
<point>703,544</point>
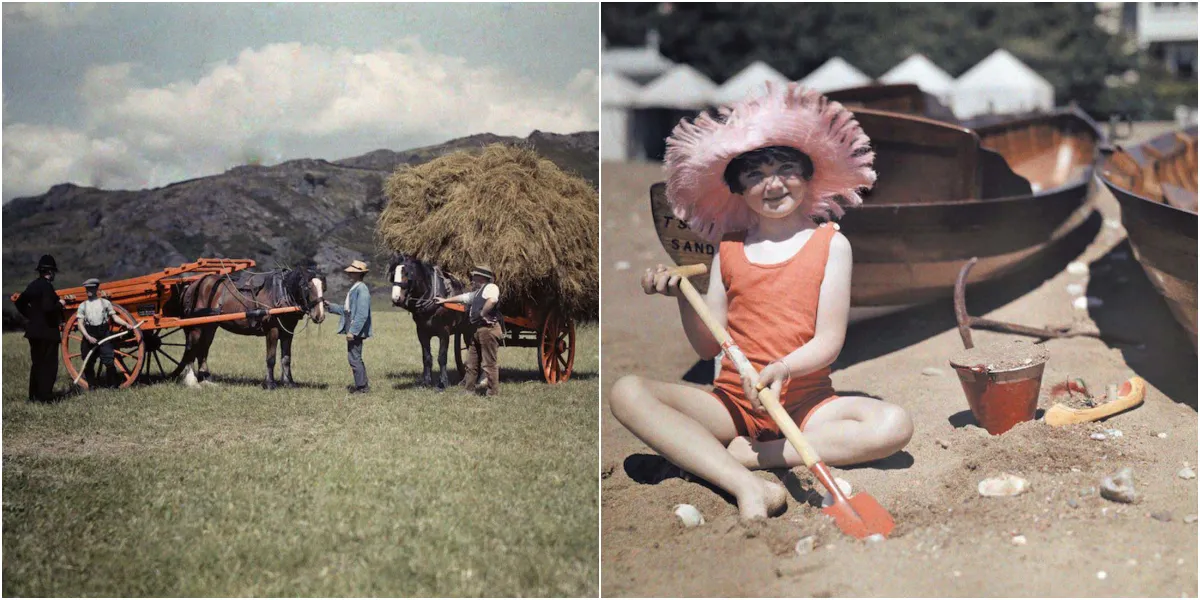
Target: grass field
<point>230,490</point>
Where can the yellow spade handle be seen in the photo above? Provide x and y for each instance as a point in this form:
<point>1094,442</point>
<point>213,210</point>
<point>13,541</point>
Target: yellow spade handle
<point>769,400</point>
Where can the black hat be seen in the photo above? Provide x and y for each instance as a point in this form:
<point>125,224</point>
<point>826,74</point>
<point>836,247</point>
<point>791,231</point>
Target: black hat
<point>47,263</point>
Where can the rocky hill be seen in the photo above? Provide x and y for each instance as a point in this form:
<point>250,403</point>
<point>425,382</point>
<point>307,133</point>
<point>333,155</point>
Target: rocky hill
<point>307,211</point>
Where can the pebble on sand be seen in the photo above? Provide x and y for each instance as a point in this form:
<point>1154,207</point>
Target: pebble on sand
<point>875,538</point>
<point>622,265</point>
<point>1186,473</point>
<point>1113,433</point>
<point>1189,519</point>
<point>827,498</point>
<point>1101,575</point>
<point>1119,487</point>
<point>1162,515</point>
<point>1019,540</point>
<point>689,515</point>
<point>932,372</point>
<point>1002,485</point>
<point>1162,435</point>
<point>1099,436</point>
<point>806,544</point>
<point>1075,289</point>
<point>1077,268</point>
<point>943,443</point>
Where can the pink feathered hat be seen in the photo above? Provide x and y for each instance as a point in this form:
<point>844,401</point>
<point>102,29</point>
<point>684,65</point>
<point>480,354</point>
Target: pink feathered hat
<point>699,151</point>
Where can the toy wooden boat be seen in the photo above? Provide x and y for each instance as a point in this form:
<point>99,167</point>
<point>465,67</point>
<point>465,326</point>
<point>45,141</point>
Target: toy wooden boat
<point>1156,186</point>
<point>1003,193</point>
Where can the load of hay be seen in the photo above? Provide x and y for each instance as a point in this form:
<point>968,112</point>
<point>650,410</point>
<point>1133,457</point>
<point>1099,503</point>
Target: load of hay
<point>506,207</point>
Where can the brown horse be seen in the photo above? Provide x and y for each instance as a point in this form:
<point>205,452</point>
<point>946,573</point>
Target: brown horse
<point>415,284</point>
<point>219,294</point>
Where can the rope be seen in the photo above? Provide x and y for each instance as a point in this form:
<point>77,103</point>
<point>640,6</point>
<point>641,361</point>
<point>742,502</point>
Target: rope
<point>101,343</point>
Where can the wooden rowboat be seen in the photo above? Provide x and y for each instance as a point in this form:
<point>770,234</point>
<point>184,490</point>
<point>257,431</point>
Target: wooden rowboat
<point>1156,186</point>
<point>1003,193</point>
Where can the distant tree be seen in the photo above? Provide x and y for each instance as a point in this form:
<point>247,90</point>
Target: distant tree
<point>1060,41</point>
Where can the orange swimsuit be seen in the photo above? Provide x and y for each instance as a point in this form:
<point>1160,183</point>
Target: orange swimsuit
<point>771,311</point>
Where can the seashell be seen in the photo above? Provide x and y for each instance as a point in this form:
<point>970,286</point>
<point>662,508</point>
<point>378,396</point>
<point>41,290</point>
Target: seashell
<point>1075,289</point>
<point>1077,268</point>
<point>1186,473</point>
<point>689,515</point>
<point>1099,436</point>
<point>827,498</point>
<point>875,538</point>
<point>806,544</point>
<point>1019,540</point>
<point>1003,485</point>
<point>1119,487</point>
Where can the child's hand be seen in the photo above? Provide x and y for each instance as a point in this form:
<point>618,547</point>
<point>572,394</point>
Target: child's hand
<point>773,376</point>
<point>660,281</point>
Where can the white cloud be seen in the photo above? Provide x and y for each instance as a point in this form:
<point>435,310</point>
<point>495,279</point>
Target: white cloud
<point>46,14</point>
<point>271,99</point>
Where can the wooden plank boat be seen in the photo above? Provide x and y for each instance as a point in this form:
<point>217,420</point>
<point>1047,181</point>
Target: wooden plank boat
<point>1156,186</point>
<point>945,193</point>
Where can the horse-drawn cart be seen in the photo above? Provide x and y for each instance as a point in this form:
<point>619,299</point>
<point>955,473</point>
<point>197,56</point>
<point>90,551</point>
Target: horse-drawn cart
<point>541,327</point>
<point>154,303</point>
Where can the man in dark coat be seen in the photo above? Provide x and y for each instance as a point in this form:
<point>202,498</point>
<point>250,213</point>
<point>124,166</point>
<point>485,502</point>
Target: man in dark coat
<point>43,312</point>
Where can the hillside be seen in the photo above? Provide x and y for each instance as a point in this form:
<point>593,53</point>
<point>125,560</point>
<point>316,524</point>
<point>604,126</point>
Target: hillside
<point>301,211</point>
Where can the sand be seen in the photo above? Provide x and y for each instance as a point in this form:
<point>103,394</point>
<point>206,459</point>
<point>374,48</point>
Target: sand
<point>948,541</point>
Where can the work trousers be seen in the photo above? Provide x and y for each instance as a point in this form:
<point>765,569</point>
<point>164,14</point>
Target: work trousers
<point>354,349</point>
<point>483,346</point>
<point>43,370</point>
<point>103,354</point>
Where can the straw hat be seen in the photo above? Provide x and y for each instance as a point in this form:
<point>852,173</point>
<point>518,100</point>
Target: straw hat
<point>357,266</point>
<point>483,271</point>
<point>699,151</point>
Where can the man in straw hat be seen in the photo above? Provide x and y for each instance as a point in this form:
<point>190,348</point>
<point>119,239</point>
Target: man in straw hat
<point>43,311</point>
<point>484,339</point>
<point>94,321</point>
<point>355,323</point>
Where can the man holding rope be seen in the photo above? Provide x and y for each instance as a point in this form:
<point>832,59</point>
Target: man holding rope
<point>94,320</point>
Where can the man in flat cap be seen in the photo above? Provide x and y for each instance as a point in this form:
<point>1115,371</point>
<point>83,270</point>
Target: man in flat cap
<point>355,323</point>
<point>94,321</point>
<point>43,311</point>
<point>483,341</point>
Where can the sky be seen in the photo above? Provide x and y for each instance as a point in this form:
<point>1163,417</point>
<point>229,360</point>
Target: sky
<point>135,96</point>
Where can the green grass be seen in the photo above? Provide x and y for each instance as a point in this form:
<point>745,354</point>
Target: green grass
<point>235,491</point>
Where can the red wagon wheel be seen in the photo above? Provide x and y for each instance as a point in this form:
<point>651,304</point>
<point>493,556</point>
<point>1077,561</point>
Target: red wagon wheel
<point>129,351</point>
<point>556,348</point>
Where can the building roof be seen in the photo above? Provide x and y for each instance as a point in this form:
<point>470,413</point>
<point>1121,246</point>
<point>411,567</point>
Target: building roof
<point>919,70</point>
<point>835,74</point>
<point>683,88</point>
<point>748,81</point>
<point>636,63</point>
<point>1001,69</point>
<point>616,90</point>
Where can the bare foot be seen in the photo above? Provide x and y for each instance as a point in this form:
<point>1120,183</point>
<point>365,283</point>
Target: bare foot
<point>761,501</point>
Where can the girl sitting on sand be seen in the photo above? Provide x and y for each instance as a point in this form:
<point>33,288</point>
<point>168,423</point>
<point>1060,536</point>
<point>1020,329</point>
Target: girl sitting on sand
<point>754,176</point>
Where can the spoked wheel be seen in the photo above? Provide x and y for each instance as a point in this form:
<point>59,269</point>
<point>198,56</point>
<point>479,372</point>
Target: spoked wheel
<point>556,348</point>
<point>129,351</point>
<point>164,354</point>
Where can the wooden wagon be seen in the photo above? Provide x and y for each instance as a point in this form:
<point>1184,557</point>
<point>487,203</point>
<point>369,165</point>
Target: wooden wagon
<point>154,303</point>
<point>541,327</point>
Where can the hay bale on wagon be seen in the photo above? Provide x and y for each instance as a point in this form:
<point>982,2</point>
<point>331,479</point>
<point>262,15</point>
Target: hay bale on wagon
<point>536,226</point>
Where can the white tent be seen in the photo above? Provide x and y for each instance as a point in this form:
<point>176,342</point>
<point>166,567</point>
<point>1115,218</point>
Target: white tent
<point>921,71</point>
<point>1001,84</point>
<point>835,74</point>
<point>681,88</point>
<point>748,81</point>
<point>617,96</point>
<point>639,65</point>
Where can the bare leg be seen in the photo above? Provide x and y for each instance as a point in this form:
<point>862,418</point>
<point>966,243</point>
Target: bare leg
<point>272,340</point>
<point>285,360</point>
<point>690,428</point>
<point>846,431</point>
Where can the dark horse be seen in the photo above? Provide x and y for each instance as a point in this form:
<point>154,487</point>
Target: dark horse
<point>219,294</point>
<point>414,286</point>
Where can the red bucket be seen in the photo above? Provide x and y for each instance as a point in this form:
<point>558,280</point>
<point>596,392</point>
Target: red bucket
<point>1001,399</point>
